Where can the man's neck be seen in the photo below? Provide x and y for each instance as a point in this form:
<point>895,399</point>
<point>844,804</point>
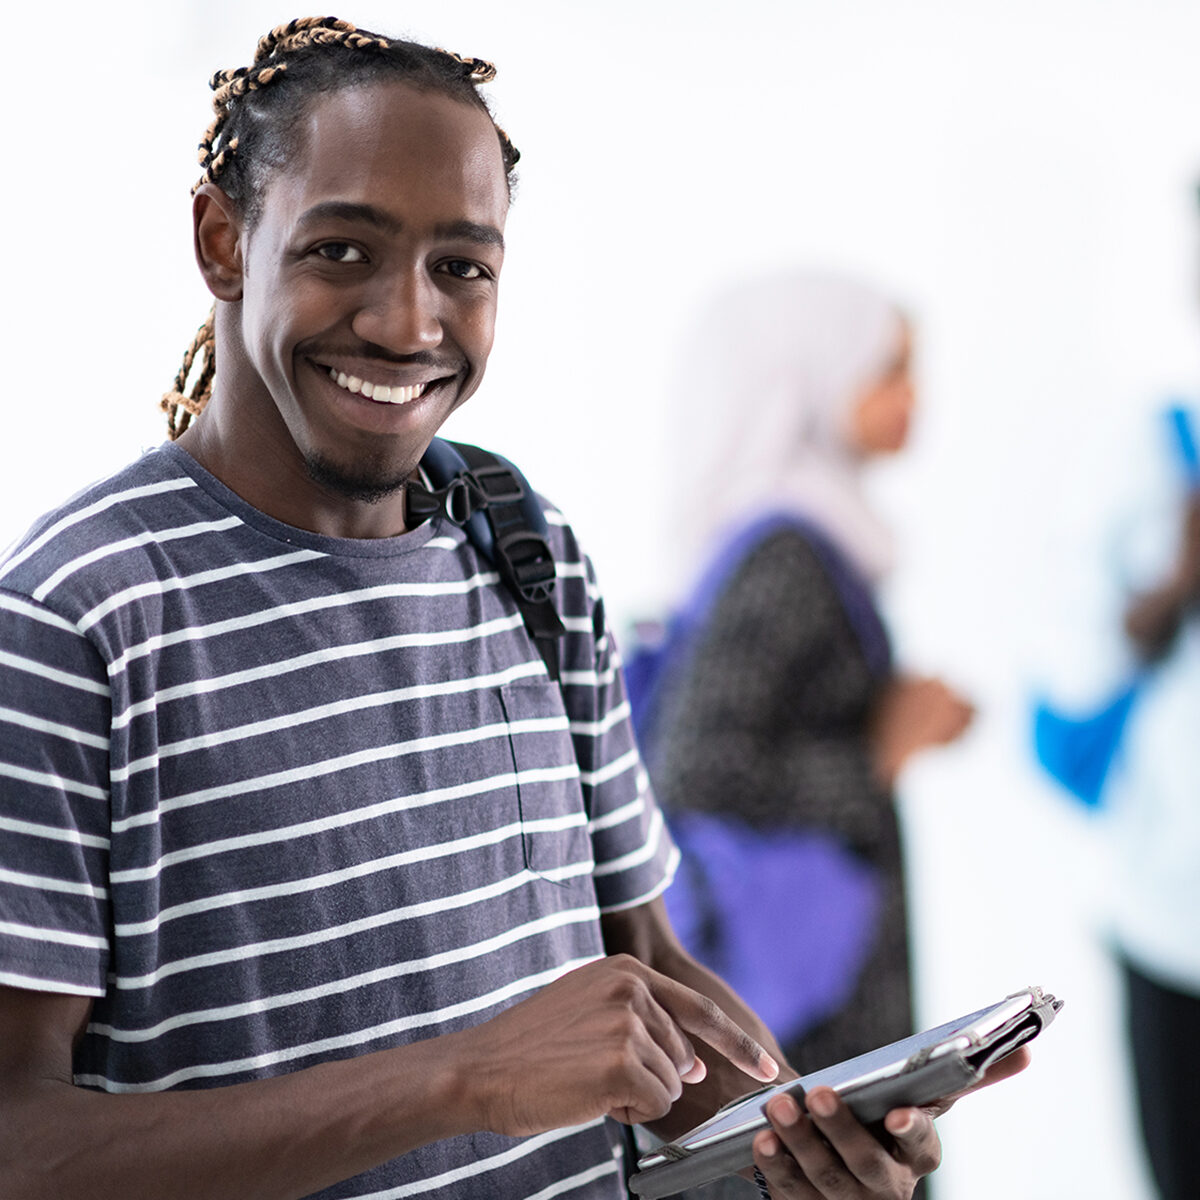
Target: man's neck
<point>280,485</point>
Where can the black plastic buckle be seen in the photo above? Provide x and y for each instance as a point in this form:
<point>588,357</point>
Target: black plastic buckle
<point>456,502</point>
<point>497,484</point>
<point>452,502</point>
<point>530,563</point>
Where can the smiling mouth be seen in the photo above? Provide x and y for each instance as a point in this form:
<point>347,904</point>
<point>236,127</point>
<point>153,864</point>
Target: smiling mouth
<point>380,393</point>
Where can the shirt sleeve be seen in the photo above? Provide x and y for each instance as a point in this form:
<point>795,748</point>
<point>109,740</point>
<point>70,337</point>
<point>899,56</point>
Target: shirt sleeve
<point>55,717</point>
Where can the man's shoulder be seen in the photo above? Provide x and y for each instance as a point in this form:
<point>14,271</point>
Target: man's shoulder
<point>570,556</point>
<point>122,505</point>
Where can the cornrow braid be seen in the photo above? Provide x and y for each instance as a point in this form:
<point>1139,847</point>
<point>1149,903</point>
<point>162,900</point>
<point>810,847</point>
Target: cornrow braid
<point>269,60</point>
<point>479,70</point>
<point>182,403</point>
<point>254,132</point>
<point>268,42</point>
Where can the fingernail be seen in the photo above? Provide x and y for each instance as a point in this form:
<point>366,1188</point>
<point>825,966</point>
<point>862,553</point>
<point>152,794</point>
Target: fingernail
<point>768,1066</point>
<point>768,1146</point>
<point>900,1125</point>
<point>786,1111</point>
<point>822,1104</point>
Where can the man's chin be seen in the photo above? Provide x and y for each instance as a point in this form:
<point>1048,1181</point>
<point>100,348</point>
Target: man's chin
<point>362,485</point>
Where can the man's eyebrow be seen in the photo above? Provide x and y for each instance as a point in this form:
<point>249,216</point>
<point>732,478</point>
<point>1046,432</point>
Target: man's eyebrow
<point>472,231</point>
<point>352,213</point>
<point>345,210</point>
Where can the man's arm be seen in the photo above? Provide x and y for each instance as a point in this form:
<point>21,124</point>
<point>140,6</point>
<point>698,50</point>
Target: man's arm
<point>282,1137</point>
<point>612,1038</point>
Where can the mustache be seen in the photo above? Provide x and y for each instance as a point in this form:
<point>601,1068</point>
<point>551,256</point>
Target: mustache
<point>372,352</point>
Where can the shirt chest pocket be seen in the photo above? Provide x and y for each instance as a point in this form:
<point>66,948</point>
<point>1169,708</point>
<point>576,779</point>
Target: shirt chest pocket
<point>555,837</point>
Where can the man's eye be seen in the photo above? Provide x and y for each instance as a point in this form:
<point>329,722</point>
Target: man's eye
<point>460,268</point>
<point>341,252</point>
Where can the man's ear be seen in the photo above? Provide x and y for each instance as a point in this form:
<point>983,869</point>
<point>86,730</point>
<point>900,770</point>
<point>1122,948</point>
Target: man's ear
<point>217,234</point>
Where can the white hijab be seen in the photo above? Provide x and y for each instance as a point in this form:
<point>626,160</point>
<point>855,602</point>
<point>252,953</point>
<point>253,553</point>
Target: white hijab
<point>768,379</point>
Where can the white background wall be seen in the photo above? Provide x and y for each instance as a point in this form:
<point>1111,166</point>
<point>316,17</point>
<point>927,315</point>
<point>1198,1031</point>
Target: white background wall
<point>1020,174</point>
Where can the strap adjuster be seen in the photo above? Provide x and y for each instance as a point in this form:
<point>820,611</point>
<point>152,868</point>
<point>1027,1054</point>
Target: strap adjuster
<point>498,484</point>
<point>530,563</point>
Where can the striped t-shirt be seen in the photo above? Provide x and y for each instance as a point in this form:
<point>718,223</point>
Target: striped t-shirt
<point>275,798</point>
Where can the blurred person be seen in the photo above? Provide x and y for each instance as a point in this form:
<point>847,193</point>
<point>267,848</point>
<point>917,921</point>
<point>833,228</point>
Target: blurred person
<point>782,706</point>
<point>314,878</point>
<point>1157,814</point>
<point>1134,763</point>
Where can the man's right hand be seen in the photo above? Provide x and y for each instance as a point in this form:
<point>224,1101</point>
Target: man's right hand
<point>612,1038</point>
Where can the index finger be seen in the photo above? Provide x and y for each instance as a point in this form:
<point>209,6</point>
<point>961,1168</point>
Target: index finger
<point>699,1015</point>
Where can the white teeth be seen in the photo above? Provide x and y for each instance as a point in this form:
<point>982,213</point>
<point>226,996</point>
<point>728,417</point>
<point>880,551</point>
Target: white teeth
<point>379,392</point>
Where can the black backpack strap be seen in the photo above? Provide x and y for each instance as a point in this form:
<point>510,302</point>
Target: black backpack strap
<point>494,504</point>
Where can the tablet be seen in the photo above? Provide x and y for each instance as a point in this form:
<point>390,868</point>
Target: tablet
<point>917,1070</point>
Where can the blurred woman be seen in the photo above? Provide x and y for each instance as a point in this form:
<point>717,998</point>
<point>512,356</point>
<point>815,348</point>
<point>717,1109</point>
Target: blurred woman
<point>784,707</point>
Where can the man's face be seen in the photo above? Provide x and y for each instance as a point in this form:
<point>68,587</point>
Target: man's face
<point>369,287</point>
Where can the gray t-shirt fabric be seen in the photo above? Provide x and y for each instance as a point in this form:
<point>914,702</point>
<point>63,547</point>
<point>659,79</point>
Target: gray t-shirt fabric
<point>275,798</point>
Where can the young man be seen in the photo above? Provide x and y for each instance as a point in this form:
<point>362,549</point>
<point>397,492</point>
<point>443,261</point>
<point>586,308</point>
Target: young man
<point>310,877</point>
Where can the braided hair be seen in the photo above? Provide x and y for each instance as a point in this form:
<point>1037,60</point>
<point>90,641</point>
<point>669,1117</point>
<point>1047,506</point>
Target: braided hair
<point>255,128</point>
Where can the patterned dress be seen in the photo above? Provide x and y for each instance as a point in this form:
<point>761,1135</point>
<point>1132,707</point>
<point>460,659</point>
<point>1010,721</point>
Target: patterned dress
<point>767,717</point>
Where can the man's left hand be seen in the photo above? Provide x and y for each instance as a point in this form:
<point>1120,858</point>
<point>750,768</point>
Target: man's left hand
<point>824,1153</point>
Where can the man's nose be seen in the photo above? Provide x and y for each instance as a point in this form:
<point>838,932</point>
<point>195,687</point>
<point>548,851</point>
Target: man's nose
<point>402,313</point>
